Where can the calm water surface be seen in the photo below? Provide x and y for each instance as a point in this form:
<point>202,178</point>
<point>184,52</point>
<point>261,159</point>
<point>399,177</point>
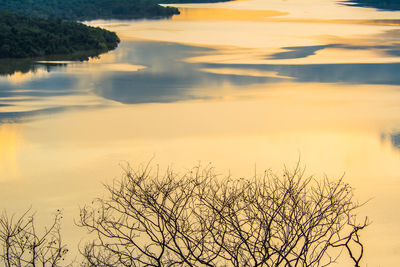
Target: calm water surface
<point>243,85</point>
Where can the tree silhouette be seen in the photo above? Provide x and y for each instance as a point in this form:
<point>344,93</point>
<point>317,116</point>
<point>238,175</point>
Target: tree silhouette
<point>22,245</point>
<point>202,219</point>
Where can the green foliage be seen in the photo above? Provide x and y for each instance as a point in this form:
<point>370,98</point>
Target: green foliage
<point>26,37</point>
<point>381,4</point>
<point>191,1</point>
<point>88,9</point>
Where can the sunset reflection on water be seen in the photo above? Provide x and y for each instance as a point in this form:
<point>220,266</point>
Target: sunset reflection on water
<point>245,85</point>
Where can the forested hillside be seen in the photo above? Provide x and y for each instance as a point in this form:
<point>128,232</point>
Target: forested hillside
<point>88,9</point>
<point>381,4</point>
<point>190,1</point>
<point>24,37</point>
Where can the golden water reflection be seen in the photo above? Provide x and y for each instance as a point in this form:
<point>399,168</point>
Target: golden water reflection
<point>204,14</point>
<point>64,164</point>
<point>243,85</point>
<point>10,142</point>
<point>19,77</point>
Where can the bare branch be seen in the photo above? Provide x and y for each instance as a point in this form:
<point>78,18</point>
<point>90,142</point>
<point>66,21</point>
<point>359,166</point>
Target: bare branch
<point>22,245</point>
<point>200,218</point>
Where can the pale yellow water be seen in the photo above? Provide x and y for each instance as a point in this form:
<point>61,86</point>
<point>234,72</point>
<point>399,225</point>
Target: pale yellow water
<point>244,85</point>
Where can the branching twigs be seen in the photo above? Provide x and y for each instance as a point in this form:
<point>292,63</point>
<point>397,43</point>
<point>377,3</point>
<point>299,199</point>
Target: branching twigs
<point>200,219</point>
<point>22,245</point>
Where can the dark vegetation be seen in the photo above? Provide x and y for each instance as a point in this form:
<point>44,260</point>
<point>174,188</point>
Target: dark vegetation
<point>38,28</point>
<point>23,244</point>
<point>191,1</point>
<point>27,37</point>
<point>201,219</point>
<point>88,9</point>
<point>380,4</point>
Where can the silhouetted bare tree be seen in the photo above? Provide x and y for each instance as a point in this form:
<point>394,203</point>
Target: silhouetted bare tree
<point>22,245</point>
<point>201,219</point>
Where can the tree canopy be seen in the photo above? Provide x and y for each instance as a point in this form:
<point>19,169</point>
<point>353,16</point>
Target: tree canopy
<point>191,1</point>
<point>381,4</point>
<point>88,9</point>
<point>27,37</point>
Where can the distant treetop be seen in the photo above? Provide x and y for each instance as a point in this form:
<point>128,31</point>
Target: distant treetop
<point>26,37</point>
<point>380,4</point>
<point>88,9</point>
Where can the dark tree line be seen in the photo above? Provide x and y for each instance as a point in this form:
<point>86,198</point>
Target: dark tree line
<point>27,37</point>
<point>191,1</point>
<point>88,9</point>
<point>38,28</point>
<point>380,4</point>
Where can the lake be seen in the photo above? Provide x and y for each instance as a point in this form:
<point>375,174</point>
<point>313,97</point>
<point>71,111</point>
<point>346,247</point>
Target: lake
<point>243,85</point>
